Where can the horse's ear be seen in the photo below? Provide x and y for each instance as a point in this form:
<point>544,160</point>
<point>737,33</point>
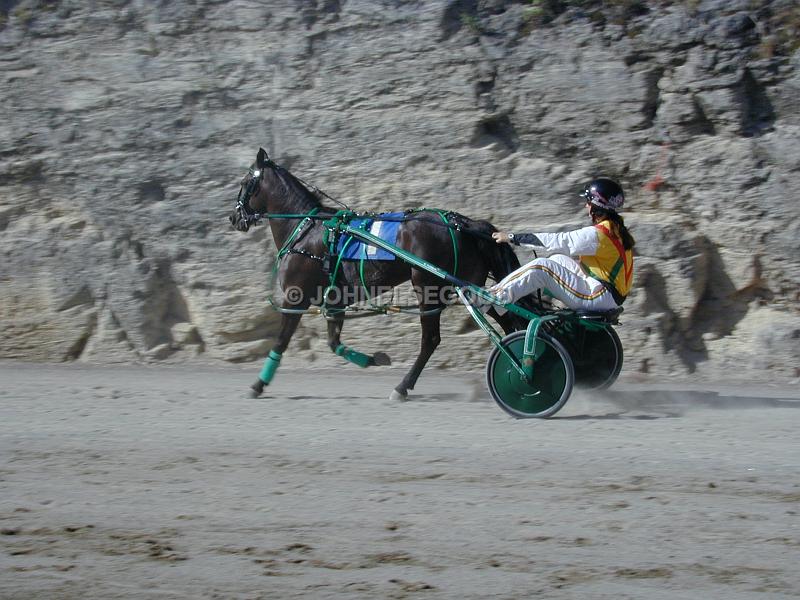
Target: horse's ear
<point>261,158</point>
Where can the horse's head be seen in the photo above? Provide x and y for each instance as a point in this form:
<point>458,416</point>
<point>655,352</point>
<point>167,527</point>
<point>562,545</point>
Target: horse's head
<point>251,201</point>
<point>268,183</point>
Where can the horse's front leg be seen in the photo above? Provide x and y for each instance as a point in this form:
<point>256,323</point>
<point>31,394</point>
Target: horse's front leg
<point>430,340</point>
<point>289,323</point>
<point>349,354</point>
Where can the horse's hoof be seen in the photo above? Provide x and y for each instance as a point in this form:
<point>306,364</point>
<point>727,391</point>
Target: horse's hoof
<point>396,396</point>
<point>381,359</point>
<point>256,389</point>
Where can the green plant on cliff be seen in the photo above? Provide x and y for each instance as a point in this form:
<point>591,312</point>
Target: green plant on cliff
<point>23,15</point>
<point>471,22</point>
<point>543,12</point>
<point>779,26</point>
<point>25,12</point>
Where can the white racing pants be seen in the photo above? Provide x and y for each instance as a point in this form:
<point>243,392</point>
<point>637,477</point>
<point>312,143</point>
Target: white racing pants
<point>558,276</point>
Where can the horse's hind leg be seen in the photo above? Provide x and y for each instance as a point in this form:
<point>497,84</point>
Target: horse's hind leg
<point>430,340</point>
<point>509,322</point>
<point>289,323</point>
<point>349,354</point>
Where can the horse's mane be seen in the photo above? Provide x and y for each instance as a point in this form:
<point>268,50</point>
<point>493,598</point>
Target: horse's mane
<point>294,186</point>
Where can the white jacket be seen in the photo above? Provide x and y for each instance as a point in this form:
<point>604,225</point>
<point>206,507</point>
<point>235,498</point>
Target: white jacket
<point>578,242</point>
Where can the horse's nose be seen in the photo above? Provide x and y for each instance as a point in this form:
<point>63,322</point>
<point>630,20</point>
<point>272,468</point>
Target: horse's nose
<point>237,222</point>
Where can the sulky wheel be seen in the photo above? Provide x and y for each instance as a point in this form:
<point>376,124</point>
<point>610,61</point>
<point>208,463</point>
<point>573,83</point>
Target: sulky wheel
<point>598,359</point>
<point>553,376</point>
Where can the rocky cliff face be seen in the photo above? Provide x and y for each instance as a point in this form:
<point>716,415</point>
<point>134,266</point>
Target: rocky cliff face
<point>127,125</point>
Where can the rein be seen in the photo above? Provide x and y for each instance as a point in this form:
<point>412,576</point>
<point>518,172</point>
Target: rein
<point>258,217</point>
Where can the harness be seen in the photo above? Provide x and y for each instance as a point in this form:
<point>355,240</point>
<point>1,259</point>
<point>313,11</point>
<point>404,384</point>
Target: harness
<point>335,252</point>
<point>333,230</point>
<point>333,258</point>
<point>621,263</point>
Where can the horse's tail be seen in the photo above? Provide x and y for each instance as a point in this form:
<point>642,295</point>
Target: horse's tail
<point>502,261</point>
<point>502,258</point>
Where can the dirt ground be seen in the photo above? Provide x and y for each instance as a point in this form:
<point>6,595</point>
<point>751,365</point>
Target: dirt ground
<point>168,482</point>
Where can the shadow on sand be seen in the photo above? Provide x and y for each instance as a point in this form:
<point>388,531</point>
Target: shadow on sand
<point>657,404</point>
<point>611,404</point>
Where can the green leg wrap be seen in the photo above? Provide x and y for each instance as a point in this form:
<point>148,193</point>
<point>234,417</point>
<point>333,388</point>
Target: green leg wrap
<point>353,356</point>
<point>270,366</point>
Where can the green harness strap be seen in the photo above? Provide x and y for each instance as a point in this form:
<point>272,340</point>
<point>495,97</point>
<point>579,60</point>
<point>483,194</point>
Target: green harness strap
<point>452,239</point>
<point>443,215</point>
<point>287,245</point>
<point>290,240</point>
<point>334,274</point>
<point>363,281</point>
<point>333,225</point>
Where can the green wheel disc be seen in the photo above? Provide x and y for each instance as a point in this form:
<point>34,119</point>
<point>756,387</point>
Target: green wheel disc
<point>553,377</point>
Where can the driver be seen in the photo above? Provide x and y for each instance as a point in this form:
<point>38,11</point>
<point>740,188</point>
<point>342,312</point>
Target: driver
<point>590,268</point>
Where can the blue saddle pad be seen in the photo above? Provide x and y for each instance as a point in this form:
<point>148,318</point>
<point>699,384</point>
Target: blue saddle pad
<point>350,248</point>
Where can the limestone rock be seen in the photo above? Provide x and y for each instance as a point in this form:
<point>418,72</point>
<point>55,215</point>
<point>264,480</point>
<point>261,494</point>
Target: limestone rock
<point>125,129</point>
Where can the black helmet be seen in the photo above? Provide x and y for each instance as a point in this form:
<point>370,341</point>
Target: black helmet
<point>605,193</point>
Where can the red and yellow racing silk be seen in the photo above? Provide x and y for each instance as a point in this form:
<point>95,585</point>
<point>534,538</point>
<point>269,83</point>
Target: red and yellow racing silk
<point>611,262</point>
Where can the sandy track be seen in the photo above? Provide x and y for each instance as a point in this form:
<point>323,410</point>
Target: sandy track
<point>168,483</point>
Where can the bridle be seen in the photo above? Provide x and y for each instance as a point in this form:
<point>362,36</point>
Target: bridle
<point>245,217</point>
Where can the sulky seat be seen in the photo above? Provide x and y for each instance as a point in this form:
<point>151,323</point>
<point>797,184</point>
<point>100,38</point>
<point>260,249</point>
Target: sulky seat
<point>607,316</point>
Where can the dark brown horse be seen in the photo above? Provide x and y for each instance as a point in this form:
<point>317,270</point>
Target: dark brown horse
<point>269,190</point>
